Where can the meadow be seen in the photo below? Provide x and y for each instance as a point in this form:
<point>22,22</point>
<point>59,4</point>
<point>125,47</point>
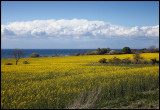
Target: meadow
<point>76,82</point>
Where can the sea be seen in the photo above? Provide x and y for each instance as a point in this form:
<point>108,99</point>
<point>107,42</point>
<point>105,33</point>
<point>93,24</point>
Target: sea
<point>8,53</point>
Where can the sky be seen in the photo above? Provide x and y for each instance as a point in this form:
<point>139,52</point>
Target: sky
<point>79,24</point>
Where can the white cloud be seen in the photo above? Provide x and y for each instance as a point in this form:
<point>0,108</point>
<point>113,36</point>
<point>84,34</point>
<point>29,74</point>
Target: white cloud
<point>74,29</point>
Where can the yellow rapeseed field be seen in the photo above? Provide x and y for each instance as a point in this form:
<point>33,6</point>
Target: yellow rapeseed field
<point>59,82</point>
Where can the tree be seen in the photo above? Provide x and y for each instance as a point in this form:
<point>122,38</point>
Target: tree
<point>103,50</point>
<point>126,50</point>
<point>152,48</point>
<point>108,50</point>
<point>137,58</point>
<point>18,54</point>
<point>98,50</point>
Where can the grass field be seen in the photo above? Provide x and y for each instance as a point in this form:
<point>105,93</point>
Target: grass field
<point>78,82</point>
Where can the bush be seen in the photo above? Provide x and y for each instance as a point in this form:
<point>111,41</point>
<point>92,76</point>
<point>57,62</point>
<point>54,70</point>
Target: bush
<point>103,60</point>
<point>34,55</point>
<point>126,50</point>
<point>137,58</point>
<point>9,64</point>
<point>154,61</point>
<point>115,60</point>
<point>126,61</point>
<point>25,62</point>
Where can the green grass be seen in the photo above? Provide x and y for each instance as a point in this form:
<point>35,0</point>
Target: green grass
<point>139,100</point>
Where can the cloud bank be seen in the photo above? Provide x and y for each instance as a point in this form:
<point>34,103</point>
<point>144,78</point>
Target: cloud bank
<point>78,29</point>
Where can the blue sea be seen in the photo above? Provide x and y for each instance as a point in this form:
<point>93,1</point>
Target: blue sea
<point>8,53</point>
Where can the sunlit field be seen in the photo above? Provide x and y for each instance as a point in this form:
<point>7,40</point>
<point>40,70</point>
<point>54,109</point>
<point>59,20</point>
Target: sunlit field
<point>73,81</point>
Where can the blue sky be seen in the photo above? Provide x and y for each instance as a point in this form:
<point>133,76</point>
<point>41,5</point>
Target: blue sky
<point>79,24</point>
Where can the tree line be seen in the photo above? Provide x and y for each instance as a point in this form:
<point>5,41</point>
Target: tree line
<point>18,53</point>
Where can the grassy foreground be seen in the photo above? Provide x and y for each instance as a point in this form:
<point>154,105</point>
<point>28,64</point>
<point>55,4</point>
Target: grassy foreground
<point>78,82</point>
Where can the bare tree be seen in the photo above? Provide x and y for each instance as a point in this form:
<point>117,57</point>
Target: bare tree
<point>18,54</point>
<point>152,48</point>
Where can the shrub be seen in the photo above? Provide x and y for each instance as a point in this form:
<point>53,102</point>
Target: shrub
<point>137,58</point>
<point>115,60</point>
<point>103,60</point>
<point>9,64</point>
<point>25,62</point>
<point>34,55</point>
<point>126,61</point>
<point>103,51</point>
<point>126,50</point>
<point>154,61</point>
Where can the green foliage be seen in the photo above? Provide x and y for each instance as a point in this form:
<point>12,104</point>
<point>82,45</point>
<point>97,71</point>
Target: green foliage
<point>108,50</point>
<point>103,51</point>
<point>25,62</point>
<point>9,64</point>
<point>34,55</point>
<point>103,60</point>
<point>126,50</point>
<point>138,100</point>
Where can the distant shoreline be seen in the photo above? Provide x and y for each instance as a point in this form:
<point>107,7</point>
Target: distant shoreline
<point>8,53</point>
